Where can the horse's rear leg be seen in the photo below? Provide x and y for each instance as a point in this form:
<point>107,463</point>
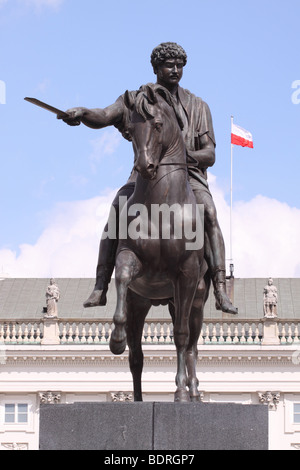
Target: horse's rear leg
<point>128,268</point>
<point>196,322</point>
<point>184,295</point>
<point>137,309</point>
<point>192,350</point>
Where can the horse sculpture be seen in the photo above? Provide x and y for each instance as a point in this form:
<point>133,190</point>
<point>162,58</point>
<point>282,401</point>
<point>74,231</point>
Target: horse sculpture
<point>160,269</point>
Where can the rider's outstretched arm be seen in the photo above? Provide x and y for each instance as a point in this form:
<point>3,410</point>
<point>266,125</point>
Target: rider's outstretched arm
<point>96,118</point>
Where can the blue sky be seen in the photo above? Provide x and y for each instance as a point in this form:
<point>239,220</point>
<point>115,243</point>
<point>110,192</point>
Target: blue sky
<point>242,60</point>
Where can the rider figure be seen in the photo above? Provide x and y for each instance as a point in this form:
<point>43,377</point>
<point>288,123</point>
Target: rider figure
<point>168,60</point>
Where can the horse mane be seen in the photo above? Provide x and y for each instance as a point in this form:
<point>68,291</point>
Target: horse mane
<point>145,106</point>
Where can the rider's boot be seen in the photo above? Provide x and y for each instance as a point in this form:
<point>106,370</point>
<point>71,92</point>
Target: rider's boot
<point>108,249</point>
<point>98,296</point>
<point>222,300</point>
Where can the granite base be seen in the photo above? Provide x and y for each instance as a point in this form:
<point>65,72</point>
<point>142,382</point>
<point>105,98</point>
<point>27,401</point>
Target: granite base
<point>153,426</point>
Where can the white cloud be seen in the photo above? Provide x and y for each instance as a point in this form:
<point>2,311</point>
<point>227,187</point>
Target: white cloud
<point>43,85</point>
<point>36,4</point>
<point>106,144</point>
<point>266,236</point>
<point>42,3</point>
<point>68,246</point>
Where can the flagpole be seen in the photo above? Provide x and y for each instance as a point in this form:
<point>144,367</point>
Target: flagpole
<point>231,198</point>
<point>239,136</point>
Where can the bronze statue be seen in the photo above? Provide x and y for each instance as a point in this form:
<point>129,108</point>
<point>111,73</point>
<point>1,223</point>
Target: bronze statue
<point>193,114</point>
<point>153,269</point>
<point>173,140</point>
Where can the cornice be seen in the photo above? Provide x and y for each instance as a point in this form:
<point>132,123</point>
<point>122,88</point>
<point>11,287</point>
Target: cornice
<point>213,356</point>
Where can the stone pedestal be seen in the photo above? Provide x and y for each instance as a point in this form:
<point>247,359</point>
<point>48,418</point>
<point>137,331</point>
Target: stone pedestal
<point>210,426</point>
<point>271,335</point>
<point>51,331</point>
<point>153,426</point>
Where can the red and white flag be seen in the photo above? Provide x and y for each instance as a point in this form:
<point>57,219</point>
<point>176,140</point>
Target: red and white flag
<point>240,136</point>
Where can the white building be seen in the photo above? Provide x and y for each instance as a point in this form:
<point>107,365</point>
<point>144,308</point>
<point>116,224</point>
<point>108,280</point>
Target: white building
<point>246,359</point>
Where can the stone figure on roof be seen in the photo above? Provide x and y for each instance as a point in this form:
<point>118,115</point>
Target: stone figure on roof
<point>52,297</point>
<point>270,300</point>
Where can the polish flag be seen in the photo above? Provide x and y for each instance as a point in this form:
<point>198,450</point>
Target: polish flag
<point>240,136</point>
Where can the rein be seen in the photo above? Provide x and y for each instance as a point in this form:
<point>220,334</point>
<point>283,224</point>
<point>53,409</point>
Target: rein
<point>182,166</point>
<point>167,174</point>
<point>188,165</point>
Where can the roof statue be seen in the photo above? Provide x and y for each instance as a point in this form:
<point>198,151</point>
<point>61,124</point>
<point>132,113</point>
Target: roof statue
<point>52,297</point>
<point>270,300</point>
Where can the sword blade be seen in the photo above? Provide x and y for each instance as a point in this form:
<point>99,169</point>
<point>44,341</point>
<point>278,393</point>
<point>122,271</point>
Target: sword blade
<point>41,104</point>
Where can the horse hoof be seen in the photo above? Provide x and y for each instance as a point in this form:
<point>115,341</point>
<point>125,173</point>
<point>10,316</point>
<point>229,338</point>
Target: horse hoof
<point>118,340</point>
<point>195,399</point>
<point>182,396</point>
<point>117,345</point>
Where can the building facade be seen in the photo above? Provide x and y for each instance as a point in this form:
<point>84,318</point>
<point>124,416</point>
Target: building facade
<point>249,359</point>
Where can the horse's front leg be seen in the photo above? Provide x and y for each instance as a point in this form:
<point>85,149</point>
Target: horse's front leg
<point>196,321</point>
<point>185,289</point>
<point>128,268</point>
<point>138,307</point>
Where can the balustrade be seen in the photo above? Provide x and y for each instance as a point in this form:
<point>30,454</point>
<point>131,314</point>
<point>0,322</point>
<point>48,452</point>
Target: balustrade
<point>214,332</point>
<point>18,332</point>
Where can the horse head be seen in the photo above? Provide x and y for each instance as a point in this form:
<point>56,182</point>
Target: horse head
<point>153,128</point>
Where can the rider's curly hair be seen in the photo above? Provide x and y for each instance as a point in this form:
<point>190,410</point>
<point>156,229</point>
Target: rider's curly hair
<point>167,50</point>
